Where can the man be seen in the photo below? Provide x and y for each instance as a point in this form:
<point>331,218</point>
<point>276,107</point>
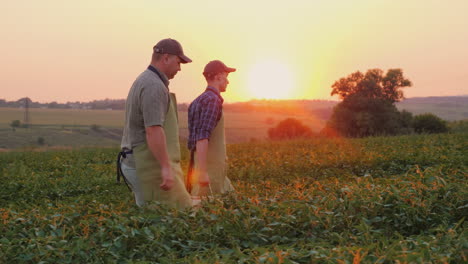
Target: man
<point>150,142</point>
<point>207,170</point>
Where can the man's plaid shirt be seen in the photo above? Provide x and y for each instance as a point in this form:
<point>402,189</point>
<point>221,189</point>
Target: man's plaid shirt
<point>203,116</point>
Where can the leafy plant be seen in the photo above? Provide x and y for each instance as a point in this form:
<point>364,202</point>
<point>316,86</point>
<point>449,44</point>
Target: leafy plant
<point>289,128</point>
<point>429,123</point>
<point>375,200</point>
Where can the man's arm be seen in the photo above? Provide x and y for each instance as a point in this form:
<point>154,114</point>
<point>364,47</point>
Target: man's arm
<point>202,153</point>
<point>156,140</point>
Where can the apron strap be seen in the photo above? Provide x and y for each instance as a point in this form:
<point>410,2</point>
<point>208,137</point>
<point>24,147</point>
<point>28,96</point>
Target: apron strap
<point>188,179</point>
<point>123,154</point>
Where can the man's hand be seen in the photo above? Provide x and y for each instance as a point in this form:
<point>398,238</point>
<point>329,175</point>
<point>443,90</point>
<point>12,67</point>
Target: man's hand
<point>204,180</point>
<point>156,140</point>
<point>168,179</point>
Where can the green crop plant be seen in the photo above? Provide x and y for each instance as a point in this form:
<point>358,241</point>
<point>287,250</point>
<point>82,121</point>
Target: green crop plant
<point>375,200</point>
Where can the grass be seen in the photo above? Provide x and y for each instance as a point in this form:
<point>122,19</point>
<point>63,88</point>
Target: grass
<point>59,136</point>
<point>67,117</point>
<point>376,200</point>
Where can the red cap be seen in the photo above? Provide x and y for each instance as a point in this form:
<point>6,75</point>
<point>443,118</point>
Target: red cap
<point>171,46</point>
<point>216,66</point>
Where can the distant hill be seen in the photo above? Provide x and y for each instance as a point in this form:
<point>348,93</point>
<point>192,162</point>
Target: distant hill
<point>446,107</point>
<point>246,121</point>
<point>320,109</point>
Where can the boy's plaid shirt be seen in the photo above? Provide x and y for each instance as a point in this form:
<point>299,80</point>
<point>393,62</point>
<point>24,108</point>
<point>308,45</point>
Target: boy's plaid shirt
<point>203,116</point>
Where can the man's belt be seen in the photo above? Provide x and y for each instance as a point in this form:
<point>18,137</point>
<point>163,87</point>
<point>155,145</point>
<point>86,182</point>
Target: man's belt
<point>123,154</point>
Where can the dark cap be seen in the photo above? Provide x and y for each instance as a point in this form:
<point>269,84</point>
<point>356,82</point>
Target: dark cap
<point>171,46</point>
<point>214,67</point>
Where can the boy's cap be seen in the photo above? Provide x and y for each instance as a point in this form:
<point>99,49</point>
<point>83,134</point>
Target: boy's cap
<point>215,67</point>
<point>171,46</point>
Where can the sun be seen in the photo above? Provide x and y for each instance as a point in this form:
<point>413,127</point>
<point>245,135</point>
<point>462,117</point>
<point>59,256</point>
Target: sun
<point>270,79</point>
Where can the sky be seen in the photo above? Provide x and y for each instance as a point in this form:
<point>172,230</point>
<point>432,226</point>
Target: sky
<point>63,50</point>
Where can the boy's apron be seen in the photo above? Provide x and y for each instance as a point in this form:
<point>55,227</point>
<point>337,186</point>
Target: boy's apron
<point>148,169</point>
<point>216,165</point>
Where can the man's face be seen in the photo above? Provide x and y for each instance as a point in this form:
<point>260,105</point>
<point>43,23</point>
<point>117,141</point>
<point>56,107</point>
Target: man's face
<point>172,66</point>
<point>223,81</point>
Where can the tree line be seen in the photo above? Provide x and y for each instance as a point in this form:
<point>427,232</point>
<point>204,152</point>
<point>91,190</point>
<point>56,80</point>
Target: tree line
<point>319,108</point>
<point>367,109</point>
<point>114,104</point>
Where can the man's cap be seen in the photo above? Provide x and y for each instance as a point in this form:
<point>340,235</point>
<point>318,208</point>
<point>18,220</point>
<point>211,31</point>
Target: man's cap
<point>171,46</point>
<point>216,66</point>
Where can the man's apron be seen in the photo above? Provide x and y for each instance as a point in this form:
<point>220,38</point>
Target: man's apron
<point>148,169</point>
<point>216,165</point>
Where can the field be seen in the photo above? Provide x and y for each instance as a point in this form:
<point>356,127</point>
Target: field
<point>71,127</point>
<point>375,200</point>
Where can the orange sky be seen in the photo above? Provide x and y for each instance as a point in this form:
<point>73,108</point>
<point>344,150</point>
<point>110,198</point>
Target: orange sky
<point>58,50</point>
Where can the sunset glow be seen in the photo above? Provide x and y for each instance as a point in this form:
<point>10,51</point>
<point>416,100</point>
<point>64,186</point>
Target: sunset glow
<point>270,79</point>
<point>55,50</point>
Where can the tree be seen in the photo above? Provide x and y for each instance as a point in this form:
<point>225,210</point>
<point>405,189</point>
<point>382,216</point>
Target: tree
<point>53,104</point>
<point>95,127</point>
<point>40,141</point>
<point>288,129</point>
<point>429,123</point>
<point>15,124</point>
<point>362,117</point>
<point>373,84</point>
<point>406,122</point>
<point>368,106</point>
